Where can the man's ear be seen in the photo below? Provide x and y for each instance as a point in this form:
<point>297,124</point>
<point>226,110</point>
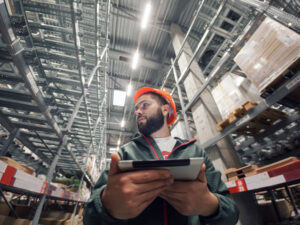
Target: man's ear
<point>165,109</point>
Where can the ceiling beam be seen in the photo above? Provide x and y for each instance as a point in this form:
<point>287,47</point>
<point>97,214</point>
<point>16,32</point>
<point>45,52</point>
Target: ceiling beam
<point>126,57</point>
<point>114,131</point>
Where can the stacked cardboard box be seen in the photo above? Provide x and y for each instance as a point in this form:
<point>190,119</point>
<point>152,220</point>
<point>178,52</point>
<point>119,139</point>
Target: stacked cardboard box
<point>26,181</point>
<point>284,171</point>
<point>267,209</point>
<point>61,215</point>
<point>23,209</point>
<point>232,92</point>
<point>4,209</point>
<point>6,220</point>
<point>17,165</point>
<point>269,53</point>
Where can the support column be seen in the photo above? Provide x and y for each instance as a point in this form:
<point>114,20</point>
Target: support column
<point>206,115</point>
<point>205,112</point>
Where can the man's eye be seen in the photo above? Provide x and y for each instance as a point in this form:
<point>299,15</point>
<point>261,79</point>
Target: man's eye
<point>144,105</point>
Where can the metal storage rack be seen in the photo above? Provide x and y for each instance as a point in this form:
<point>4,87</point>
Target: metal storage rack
<point>263,9</point>
<point>59,50</point>
<point>63,62</point>
<point>225,64</point>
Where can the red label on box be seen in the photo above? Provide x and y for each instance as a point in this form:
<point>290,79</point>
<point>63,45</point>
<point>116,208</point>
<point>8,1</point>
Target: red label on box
<point>44,187</point>
<point>8,175</point>
<point>240,186</point>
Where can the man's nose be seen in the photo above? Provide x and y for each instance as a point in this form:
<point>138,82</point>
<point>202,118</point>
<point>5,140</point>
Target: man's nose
<point>137,112</point>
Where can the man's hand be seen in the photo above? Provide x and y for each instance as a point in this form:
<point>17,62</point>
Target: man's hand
<point>192,198</point>
<point>128,194</point>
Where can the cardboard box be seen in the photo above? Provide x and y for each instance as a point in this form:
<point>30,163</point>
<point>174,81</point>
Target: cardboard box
<point>78,220</point>
<point>6,220</point>
<point>267,209</point>
<point>272,49</point>
<point>51,221</point>
<point>57,214</point>
<point>24,211</point>
<point>232,92</point>
<point>2,166</point>
<point>4,209</point>
<point>17,165</point>
<point>22,222</point>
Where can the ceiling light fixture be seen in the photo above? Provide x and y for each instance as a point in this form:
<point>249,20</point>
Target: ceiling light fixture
<point>129,89</point>
<point>146,15</point>
<point>119,142</point>
<point>119,98</point>
<point>122,123</point>
<point>135,60</point>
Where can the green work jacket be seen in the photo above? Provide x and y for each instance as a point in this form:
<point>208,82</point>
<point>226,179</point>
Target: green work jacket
<point>160,212</point>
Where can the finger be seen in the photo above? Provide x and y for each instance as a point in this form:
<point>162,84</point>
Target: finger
<point>174,202</point>
<point>144,197</point>
<point>146,176</point>
<point>114,168</point>
<point>146,187</point>
<point>201,175</point>
<point>145,204</point>
<point>180,197</point>
<point>179,187</point>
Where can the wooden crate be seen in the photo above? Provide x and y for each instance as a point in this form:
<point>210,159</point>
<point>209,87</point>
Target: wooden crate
<point>237,173</point>
<point>253,127</point>
<point>17,165</point>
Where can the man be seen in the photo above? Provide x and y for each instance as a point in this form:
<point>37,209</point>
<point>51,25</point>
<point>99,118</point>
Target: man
<point>152,196</point>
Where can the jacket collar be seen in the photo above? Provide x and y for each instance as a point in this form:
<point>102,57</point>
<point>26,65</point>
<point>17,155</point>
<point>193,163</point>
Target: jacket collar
<point>149,143</point>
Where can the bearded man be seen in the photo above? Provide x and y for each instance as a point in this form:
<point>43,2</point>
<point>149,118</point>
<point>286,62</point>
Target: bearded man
<point>152,197</point>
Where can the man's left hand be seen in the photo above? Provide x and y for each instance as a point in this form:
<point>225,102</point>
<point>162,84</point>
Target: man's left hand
<point>192,198</point>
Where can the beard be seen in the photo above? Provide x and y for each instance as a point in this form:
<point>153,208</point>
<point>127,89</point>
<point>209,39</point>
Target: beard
<point>152,124</point>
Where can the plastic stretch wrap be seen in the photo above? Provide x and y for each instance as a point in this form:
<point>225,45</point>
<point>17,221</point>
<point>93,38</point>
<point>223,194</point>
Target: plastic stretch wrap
<point>271,50</point>
<point>232,92</point>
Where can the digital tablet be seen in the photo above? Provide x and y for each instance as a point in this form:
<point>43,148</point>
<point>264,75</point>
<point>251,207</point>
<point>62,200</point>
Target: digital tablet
<point>180,169</point>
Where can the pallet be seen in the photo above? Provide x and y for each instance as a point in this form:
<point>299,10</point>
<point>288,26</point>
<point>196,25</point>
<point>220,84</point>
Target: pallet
<point>283,77</point>
<point>237,173</point>
<point>17,165</point>
<point>261,122</point>
<point>236,114</point>
<point>257,124</point>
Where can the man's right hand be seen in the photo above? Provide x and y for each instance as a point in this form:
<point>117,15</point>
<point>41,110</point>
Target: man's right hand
<point>127,194</point>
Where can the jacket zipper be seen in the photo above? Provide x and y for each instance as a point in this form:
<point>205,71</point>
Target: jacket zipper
<point>180,146</point>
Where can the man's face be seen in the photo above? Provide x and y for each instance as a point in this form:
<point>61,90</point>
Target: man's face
<point>149,115</point>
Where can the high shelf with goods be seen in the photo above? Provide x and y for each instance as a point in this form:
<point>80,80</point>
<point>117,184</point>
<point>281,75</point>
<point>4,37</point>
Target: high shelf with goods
<point>53,90</point>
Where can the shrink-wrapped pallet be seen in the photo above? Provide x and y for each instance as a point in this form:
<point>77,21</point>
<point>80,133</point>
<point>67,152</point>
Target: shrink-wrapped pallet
<point>269,53</point>
<point>232,92</point>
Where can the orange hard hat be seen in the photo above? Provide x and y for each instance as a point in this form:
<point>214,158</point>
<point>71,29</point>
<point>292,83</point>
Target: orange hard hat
<point>165,95</point>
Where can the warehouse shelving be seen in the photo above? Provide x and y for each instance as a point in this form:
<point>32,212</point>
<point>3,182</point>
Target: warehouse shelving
<point>214,75</point>
<point>50,103</point>
<point>269,181</point>
<point>73,98</point>
<point>293,82</point>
